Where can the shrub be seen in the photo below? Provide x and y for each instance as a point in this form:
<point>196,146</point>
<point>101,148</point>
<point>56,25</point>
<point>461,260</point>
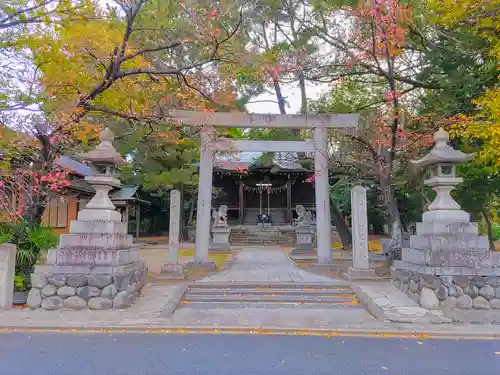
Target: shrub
<point>496,231</point>
<point>32,241</point>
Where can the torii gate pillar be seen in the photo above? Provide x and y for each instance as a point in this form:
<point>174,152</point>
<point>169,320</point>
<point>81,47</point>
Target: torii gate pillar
<point>322,187</point>
<point>203,209</point>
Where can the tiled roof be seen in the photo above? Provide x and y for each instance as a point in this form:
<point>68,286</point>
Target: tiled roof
<point>74,166</point>
<point>251,160</point>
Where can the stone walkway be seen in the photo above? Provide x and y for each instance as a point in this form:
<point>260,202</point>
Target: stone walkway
<point>264,264</point>
<point>258,266</point>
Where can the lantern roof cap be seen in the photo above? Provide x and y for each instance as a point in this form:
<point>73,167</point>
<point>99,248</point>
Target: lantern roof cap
<point>442,152</point>
<point>105,152</point>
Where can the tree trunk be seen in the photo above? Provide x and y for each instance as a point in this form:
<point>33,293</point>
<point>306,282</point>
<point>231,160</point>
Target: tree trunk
<point>489,227</point>
<point>342,228</point>
<point>192,205</point>
<point>303,93</point>
<point>34,207</point>
<point>394,219</point>
<point>279,96</point>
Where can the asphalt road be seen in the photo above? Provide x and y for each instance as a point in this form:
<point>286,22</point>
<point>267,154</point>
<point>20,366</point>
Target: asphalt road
<point>155,354</point>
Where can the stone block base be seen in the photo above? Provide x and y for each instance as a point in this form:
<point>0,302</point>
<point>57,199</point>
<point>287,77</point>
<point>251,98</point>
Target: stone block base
<point>219,248</point>
<point>361,274</point>
<point>449,291</point>
<point>172,272</point>
<point>77,291</point>
<point>303,248</point>
<point>207,266</point>
<point>334,266</point>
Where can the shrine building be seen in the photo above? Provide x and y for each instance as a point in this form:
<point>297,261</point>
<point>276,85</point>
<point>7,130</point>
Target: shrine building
<point>263,187</point>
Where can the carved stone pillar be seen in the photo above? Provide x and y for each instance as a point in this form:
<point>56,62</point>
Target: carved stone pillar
<point>173,270</point>
<point>360,268</point>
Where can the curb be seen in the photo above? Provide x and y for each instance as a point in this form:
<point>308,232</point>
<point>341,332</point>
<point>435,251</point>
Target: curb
<point>173,302</point>
<point>368,303</point>
<point>233,330</point>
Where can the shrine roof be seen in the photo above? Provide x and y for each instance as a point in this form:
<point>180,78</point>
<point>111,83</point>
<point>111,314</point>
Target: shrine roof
<point>250,160</point>
<point>127,193</point>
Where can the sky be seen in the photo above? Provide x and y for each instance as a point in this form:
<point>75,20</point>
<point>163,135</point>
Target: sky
<point>292,95</point>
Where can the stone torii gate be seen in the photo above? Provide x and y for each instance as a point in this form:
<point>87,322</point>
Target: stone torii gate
<point>210,145</point>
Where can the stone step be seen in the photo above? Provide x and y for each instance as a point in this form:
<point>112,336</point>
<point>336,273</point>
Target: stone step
<point>267,295</point>
<point>242,237</point>
<point>271,285</point>
<point>258,237</point>
<point>262,238</point>
<point>271,297</point>
<point>261,235</point>
<point>262,243</point>
<point>268,305</point>
<point>265,291</point>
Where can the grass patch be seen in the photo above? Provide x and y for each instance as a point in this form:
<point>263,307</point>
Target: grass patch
<point>186,252</point>
<point>218,258</point>
<point>373,245</point>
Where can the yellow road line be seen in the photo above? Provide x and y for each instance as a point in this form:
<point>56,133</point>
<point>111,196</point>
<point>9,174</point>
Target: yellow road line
<point>238,331</point>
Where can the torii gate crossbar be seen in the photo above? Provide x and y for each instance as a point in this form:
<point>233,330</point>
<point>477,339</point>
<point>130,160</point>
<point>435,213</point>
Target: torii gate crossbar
<point>210,145</point>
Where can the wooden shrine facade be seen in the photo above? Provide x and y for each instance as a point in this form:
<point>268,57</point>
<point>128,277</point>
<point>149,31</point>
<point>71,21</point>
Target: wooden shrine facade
<point>274,190</point>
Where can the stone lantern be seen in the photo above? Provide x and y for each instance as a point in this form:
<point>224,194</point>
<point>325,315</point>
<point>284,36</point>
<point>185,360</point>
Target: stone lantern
<point>97,265</point>
<point>448,264</point>
<point>104,161</point>
<point>441,162</point>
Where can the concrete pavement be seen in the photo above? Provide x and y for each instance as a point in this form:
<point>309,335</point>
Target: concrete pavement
<point>159,309</point>
<point>148,354</point>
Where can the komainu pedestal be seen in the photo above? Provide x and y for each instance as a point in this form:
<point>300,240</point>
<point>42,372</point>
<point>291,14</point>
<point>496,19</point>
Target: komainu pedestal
<point>220,239</point>
<point>304,231</point>
<point>305,240</point>
<point>220,231</point>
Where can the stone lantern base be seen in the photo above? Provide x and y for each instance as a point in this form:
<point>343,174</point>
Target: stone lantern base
<point>449,265</point>
<point>96,266</point>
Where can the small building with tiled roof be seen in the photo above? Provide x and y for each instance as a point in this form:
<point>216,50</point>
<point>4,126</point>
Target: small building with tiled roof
<point>64,207</point>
